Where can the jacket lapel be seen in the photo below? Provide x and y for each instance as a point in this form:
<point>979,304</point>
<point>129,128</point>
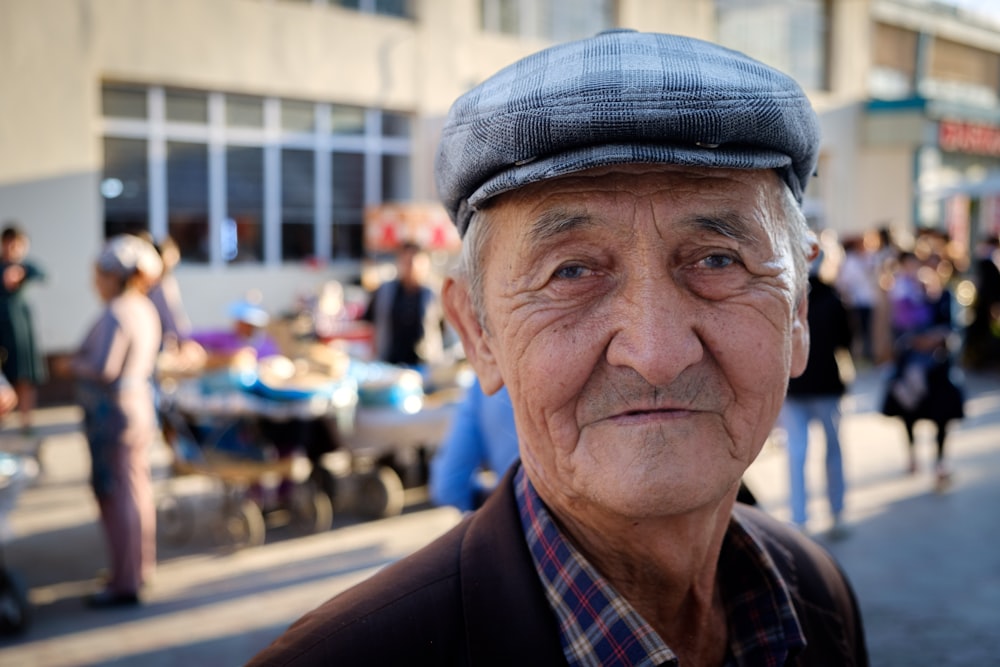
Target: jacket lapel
<point>508,617</point>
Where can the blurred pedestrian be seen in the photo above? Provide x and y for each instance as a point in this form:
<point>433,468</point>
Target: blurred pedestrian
<point>815,396</point>
<point>245,342</point>
<point>480,446</point>
<point>179,352</point>
<point>21,358</point>
<point>982,335</point>
<point>406,314</point>
<point>922,384</point>
<point>8,397</point>
<point>857,283</point>
<point>166,296</point>
<point>114,370</point>
<point>885,254</point>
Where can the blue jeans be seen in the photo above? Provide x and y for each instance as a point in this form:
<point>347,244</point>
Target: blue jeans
<point>796,414</point>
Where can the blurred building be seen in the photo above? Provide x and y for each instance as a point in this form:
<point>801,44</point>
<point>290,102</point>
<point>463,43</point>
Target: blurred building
<point>909,96</point>
<point>257,132</point>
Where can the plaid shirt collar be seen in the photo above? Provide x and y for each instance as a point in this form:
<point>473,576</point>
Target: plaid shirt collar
<point>597,626</point>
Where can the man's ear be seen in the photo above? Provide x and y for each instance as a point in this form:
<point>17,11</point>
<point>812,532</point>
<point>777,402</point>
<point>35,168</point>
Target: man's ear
<point>462,316</point>
<point>800,335</point>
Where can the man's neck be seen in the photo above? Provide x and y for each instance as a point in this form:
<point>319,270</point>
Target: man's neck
<point>666,569</point>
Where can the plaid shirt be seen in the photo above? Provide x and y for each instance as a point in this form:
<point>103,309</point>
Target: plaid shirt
<point>598,626</point>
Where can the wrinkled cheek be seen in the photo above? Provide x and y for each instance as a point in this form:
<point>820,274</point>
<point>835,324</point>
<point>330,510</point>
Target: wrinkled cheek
<point>758,395</point>
<point>758,418</point>
<point>547,420</point>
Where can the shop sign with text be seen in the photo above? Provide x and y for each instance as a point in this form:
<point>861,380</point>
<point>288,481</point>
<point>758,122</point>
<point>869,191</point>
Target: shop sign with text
<point>961,137</point>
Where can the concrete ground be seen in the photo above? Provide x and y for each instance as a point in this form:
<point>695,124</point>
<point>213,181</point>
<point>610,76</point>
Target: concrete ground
<point>926,565</point>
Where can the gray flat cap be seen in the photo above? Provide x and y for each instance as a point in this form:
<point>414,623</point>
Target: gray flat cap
<point>622,97</point>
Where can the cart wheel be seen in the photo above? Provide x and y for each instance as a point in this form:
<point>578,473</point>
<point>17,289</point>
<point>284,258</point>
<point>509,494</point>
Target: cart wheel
<point>174,520</point>
<point>243,524</point>
<point>324,481</point>
<point>15,609</point>
<point>312,511</point>
<point>380,494</point>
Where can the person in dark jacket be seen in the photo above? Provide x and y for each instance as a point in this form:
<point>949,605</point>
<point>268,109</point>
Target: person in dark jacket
<point>815,396</point>
<point>634,271</point>
<point>405,314</point>
<point>981,349</point>
<point>21,358</point>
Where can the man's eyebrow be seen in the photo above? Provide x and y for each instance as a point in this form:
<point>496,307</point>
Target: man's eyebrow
<point>554,223</point>
<point>730,225</point>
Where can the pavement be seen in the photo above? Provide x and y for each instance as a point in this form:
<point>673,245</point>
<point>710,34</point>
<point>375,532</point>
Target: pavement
<point>925,565</point>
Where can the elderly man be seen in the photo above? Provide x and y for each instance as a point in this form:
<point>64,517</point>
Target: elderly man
<point>634,272</point>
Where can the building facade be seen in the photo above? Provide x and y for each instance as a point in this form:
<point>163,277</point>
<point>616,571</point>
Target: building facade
<point>257,133</point>
<point>254,132</point>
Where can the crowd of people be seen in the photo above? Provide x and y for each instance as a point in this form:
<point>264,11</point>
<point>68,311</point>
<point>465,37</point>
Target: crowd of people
<point>890,308</point>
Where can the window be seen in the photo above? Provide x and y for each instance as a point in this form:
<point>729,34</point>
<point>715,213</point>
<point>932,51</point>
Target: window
<point>244,111</point>
<point>554,20</point>
<point>187,199</point>
<point>348,204</point>
<point>187,107</point>
<point>244,222</point>
<point>347,120</point>
<point>297,116</point>
<point>894,59</point>
<point>245,179</point>
<point>400,8</point>
<point>123,101</point>
<point>961,73</point>
<point>395,124</point>
<point>298,218</point>
<point>396,178</point>
<point>125,186</point>
<point>790,35</point>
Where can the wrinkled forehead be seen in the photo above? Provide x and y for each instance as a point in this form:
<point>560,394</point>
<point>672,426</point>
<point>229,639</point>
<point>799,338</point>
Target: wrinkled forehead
<point>667,189</point>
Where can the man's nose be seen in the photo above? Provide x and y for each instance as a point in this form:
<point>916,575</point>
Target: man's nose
<point>654,329</point>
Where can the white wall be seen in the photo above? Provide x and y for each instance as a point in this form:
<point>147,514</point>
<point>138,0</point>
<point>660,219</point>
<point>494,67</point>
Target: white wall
<point>884,185</point>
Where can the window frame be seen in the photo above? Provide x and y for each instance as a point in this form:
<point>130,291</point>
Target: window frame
<point>272,138</point>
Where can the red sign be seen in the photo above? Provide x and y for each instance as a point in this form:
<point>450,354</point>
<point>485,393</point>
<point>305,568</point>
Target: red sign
<point>389,225</point>
<point>958,137</point>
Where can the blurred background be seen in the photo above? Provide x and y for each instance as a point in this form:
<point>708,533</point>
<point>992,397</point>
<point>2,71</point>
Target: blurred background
<point>267,136</point>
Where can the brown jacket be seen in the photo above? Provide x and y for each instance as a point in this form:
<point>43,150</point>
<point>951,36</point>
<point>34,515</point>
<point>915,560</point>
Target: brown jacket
<point>472,597</point>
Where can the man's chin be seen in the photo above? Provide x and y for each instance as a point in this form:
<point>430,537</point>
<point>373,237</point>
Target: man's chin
<point>649,497</point>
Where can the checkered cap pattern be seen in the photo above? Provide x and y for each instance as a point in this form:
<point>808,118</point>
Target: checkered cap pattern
<point>623,97</point>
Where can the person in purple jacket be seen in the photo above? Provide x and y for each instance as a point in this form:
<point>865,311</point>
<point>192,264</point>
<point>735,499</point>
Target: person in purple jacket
<point>246,342</point>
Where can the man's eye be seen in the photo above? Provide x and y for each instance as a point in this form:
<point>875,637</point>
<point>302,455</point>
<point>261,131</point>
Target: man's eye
<point>570,272</point>
<point>717,261</point>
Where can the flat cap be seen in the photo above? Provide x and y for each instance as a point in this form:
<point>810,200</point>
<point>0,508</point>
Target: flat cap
<point>622,97</point>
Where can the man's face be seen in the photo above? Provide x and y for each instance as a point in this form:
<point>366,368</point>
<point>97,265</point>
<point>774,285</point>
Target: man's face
<point>16,249</point>
<point>413,266</point>
<point>645,322</point>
